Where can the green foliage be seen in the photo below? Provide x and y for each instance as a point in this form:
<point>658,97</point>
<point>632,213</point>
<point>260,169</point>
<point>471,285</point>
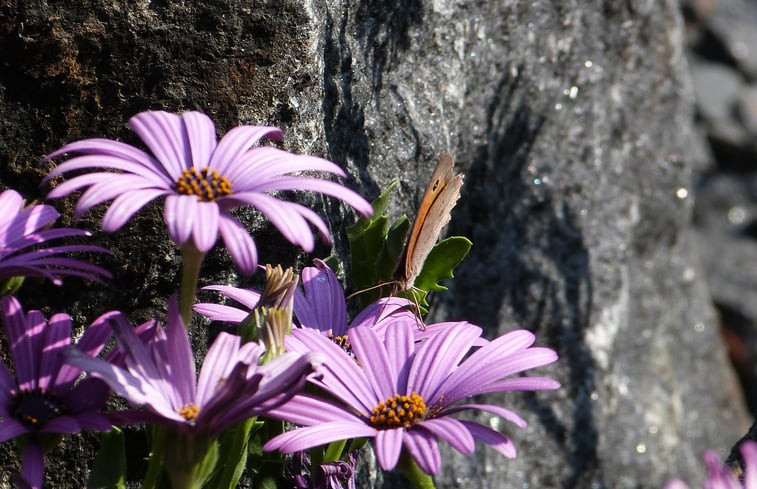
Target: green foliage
<point>377,246</point>
<point>109,467</point>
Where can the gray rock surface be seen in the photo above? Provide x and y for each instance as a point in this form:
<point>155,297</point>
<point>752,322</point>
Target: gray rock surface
<point>573,122</point>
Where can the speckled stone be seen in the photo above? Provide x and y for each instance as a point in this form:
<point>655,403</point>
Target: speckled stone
<point>571,120</point>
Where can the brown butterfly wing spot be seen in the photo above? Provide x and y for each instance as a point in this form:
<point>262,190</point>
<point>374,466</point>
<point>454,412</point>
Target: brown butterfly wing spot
<point>440,197</point>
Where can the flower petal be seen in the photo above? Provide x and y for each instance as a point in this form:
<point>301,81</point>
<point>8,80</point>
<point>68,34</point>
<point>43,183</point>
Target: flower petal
<point>239,244</point>
<point>453,432</point>
<point>181,358</point>
<point>424,449</point>
<point>164,133</point>
<point>371,353</point>
<point>33,468</point>
<point>236,143</point>
<point>318,435</point>
<point>491,437</point>
<point>205,232</point>
<point>247,297</point>
<point>322,306</point>
<point>125,206</point>
<point>388,446</point>
<point>179,213</point>
<point>11,428</point>
<point>201,135</point>
<point>220,312</point>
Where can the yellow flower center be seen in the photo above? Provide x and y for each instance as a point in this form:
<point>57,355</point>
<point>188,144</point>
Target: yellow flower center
<point>399,411</point>
<point>190,412</point>
<point>206,184</point>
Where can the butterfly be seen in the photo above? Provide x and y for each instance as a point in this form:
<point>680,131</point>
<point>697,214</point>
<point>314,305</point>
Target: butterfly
<point>441,195</point>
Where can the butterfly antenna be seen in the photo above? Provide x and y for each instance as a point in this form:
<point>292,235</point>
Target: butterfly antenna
<point>363,291</point>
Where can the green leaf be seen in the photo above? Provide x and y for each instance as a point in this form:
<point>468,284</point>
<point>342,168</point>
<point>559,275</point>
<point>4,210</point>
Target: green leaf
<point>109,466</point>
<point>441,262</point>
<point>232,456</point>
<point>368,238</point>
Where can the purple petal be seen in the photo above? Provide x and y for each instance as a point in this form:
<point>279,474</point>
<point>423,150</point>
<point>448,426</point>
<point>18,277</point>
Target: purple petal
<point>678,484</point>
<point>285,216</point>
<point>91,343</point>
<point>132,388</point>
<point>437,357</point>
<point>10,202</point>
<point>218,364</point>
<point>28,221</point>
<point>87,397</point>
<point>422,446</point>
<point>164,134</point>
<point>114,186</point>
<point>201,134</point>
<point>399,347</point>
<point>247,297</point>
<point>205,232</point>
<point>384,312</point>
<point>318,435</point>
<point>388,446</point>
<point>324,307</point>
<point>61,424</point>
<point>493,438</point>
<point>473,377</point>
<point>341,375</point>
<point>265,162</point>
<point>25,336</point>
<point>56,337</point>
<point>453,432</point>
<point>308,410</point>
<point>749,453</point>
<point>371,352</point>
<point>179,213</point>
<point>11,428</point>
<point>326,187</point>
<point>33,469</point>
<point>228,155</point>
<point>125,206</point>
<point>239,244</point>
<point>181,358</point>
<point>521,384</point>
<point>491,408</point>
<point>142,164</point>
<point>106,153</point>
<point>220,312</point>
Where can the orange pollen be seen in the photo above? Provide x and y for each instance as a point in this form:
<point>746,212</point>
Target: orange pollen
<point>206,184</point>
<point>399,411</point>
<point>343,342</point>
<point>190,412</point>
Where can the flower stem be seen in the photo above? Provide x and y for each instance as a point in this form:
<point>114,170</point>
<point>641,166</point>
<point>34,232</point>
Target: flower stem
<point>192,260</point>
<point>413,473</point>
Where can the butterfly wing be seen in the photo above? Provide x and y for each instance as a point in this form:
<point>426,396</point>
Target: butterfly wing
<point>440,197</point>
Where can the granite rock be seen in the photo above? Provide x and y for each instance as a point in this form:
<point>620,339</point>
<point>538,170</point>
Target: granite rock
<point>572,121</point>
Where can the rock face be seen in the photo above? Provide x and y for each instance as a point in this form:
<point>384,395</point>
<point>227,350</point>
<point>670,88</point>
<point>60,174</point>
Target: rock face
<point>573,122</point>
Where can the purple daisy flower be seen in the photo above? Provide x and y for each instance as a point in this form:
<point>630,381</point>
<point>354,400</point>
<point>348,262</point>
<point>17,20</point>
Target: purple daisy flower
<point>159,372</point>
<point>720,476</point>
<point>401,393</point>
<point>202,180</point>
<point>321,305</point>
<point>43,397</point>
<point>22,229</point>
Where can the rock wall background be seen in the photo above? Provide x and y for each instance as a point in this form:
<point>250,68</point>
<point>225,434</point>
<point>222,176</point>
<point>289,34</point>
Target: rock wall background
<point>573,123</point>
